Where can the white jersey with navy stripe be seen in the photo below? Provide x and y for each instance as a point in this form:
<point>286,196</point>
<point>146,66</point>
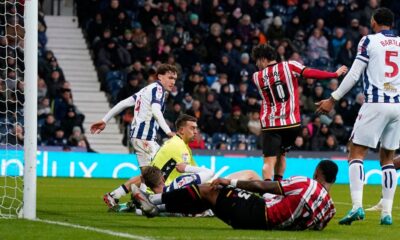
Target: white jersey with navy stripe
<point>144,126</point>
<point>183,181</point>
<point>381,77</point>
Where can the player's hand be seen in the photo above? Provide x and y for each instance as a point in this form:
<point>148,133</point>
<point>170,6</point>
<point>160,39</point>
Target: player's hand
<point>171,134</point>
<point>180,167</point>
<point>97,127</point>
<point>325,106</point>
<point>220,182</point>
<point>342,70</point>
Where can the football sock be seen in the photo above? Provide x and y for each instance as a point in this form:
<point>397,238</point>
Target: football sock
<point>119,192</point>
<point>143,187</point>
<point>389,184</point>
<point>356,176</point>
<point>186,200</point>
<point>278,177</point>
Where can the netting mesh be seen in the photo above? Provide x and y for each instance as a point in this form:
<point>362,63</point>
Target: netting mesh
<point>11,106</point>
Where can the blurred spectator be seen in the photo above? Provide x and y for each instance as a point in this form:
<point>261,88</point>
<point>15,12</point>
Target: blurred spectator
<point>48,130</point>
<point>16,136</point>
<point>215,123</point>
<point>330,144</point>
<point>237,122</point>
<point>339,130</point>
<point>347,54</point>
<point>210,106</point>
<point>240,96</point>
<point>198,142</point>
<point>62,103</point>
<point>71,120</point>
<point>196,111</point>
<point>225,98</point>
<point>343,109</point>
<point>254,124</point>
<point>42,88</point>
<point>276,32</point>
<point>299,144</point>
<point>337,42</point>
<point>172,115</point>
<point>58,139</point>
<point>319,138</point>
<point>43,108</point>
<point>187,102</point>
<point>317,45</point>
<point>133,86</point>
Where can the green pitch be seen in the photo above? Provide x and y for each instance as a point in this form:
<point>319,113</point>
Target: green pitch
<point>79,202</point>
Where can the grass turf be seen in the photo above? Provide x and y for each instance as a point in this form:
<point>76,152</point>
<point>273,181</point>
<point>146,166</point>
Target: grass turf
<point>79,201</point>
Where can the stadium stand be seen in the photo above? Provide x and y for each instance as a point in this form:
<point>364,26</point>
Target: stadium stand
<point>210,42</point>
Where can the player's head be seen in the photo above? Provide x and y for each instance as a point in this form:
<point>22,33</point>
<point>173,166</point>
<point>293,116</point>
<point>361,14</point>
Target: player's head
<point>167,74</point>
<point>382,17</point>
<point>152,177</point>
<point>326,170</point>
<point>263,54</point>
<point>186,127</point>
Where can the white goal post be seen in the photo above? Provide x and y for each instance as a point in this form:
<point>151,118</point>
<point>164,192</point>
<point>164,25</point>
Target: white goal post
<point>30,108</point>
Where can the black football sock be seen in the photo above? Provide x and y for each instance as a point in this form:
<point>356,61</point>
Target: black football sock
<point>278,177</point>
<point>186,200</point>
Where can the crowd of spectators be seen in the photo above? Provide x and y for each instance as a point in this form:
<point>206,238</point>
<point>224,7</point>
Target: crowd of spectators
<point>60,123</point>
<point>11,74</point>
<point>210,42</point>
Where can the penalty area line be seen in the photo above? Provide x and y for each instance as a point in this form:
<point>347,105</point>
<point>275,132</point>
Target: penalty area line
<point>93,229</point>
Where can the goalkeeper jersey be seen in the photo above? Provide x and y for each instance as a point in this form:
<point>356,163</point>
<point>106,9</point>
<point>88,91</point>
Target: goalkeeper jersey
<point>173,151</point>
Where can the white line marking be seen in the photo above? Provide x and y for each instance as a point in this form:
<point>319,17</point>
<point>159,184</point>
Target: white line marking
<point>93,229</point>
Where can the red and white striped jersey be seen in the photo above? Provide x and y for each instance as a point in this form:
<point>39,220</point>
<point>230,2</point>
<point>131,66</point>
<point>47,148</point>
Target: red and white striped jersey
<point>305,205</point>
<point>278,87</point>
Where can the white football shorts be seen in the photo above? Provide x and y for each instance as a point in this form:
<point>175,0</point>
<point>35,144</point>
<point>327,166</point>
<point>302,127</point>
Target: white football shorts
<point>145,150</point>
<point>378,122</point>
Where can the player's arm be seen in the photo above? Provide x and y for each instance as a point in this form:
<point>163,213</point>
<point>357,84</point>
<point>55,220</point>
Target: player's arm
<point>319,74</point>
<point>99,126</point>
<point>156,110</point>
<point>350,80</point>
<point>256,186</point>
<point>205,174</point>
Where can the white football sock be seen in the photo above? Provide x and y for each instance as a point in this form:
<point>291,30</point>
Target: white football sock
<point>143,187</point>
<point>156,199</point>
<point>356,176</point>
<point>119,192</point>
<point>389,184</point>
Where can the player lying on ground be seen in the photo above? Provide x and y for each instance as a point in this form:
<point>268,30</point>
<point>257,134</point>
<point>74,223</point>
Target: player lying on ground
<point>378,207</point>
<point>301,203</point>
<point>173,151</point>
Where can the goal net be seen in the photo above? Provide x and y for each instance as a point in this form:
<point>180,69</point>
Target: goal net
<point>11,107</point>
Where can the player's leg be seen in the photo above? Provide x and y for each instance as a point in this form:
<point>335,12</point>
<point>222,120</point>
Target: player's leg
<point>389,143</point>
<point>145,151</point>
<point>389,184</point>
<point>271,148</point>
<point>367,131</point>
<point>244,175</point>
<point>192,199</point>
<point>378,206</point>
<point>356,177</point>
<point>288,138</point>
<point>280,167</point>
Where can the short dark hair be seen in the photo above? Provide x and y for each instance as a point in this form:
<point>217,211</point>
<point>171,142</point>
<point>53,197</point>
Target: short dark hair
<point>264,51</point>
<point>383,16</point>
<point>152,176</point>
<point>164,68</point>
<point>329,169</point>
<point>182,119</point>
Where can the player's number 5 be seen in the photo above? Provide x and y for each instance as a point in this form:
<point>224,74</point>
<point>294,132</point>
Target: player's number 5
<point>392,64</point>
